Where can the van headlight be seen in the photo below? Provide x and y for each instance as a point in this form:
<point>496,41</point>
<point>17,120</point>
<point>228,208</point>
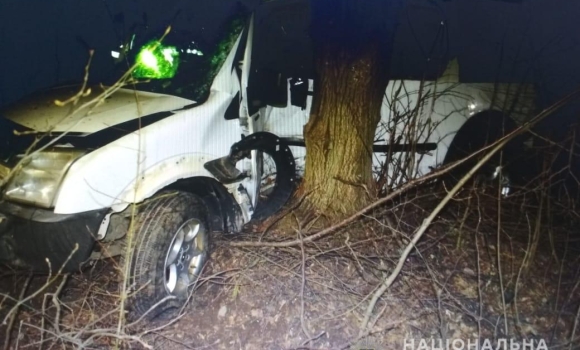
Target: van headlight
<point>39,178</point>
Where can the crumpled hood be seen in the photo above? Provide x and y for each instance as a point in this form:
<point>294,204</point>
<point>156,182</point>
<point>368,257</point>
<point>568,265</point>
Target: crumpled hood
<point>40,113</point>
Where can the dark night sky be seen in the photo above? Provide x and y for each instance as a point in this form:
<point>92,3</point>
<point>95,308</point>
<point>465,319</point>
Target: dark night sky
<point>538,40</point>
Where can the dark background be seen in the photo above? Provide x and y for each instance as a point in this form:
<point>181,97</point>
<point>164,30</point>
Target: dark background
<point>45,42</point>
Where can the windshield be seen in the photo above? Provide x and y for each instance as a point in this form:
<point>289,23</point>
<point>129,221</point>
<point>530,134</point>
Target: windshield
<point>176,63</point>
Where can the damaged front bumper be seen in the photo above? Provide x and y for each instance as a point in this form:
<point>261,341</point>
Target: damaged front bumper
<point>41,241</point>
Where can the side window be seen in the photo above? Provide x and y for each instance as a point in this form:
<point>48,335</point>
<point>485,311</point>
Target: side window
<point>233,111</point>
<point>267,87</point>
<point>239,57</point>
<point>299,92</point>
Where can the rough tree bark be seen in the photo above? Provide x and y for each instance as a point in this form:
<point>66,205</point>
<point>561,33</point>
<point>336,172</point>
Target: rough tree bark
<point>352,41</point>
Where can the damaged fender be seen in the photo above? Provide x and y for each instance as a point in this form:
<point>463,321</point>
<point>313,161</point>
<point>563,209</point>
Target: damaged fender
<point>224,169</point>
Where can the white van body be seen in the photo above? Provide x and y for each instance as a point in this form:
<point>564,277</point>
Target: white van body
<point>444,104</point>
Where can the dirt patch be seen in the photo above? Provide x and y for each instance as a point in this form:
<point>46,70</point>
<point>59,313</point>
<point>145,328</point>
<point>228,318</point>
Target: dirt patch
<point>470,278</point>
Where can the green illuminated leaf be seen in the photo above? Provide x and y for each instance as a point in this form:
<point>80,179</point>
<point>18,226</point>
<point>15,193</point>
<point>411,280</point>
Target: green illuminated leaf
<point>156,61</point>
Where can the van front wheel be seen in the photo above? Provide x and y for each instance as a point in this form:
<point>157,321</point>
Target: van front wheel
<point>170,247</point>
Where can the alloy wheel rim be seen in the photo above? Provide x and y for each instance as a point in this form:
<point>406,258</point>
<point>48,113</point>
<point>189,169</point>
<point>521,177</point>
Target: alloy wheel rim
<point>184,256</point>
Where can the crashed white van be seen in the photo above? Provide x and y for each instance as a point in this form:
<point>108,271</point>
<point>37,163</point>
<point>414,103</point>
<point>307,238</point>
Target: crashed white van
<point>193,168</point>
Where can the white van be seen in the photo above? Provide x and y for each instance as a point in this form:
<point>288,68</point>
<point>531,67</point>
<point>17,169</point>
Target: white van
<point>191,168</point>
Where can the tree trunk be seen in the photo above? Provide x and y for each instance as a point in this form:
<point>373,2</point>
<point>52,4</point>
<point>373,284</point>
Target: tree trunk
<point>339,135</point>
<point>352,41</point>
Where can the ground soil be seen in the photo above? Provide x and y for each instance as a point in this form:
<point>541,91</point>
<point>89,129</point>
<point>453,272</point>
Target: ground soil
<point>314,296</point>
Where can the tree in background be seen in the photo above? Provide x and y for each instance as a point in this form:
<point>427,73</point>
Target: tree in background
<point>353,42</point>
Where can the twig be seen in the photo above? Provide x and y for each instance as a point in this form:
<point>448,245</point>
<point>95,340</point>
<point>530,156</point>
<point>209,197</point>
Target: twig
<point>313,338</point>
<point>56,303</point>
<point>19,331</point>
<point>478,261</point>
<point>520,270</point>
<point>570,295</point>
<point>302,323</point>
<point>574,327</point>
<point>118,336</point>
<point>286,212</point>
<point>41,289</point>
<point>15,313</point>
<point>498,145</point>
<point>498,242</point>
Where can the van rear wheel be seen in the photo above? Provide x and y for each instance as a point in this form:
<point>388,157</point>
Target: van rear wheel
<point>170,247</point>
<point>479,131</point>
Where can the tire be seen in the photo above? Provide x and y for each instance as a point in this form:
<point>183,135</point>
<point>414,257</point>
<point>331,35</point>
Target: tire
<point>170,248</point>
<point>479,131</point>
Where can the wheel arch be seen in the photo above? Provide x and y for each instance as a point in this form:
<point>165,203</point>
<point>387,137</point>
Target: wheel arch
<point>225,215</point>
<point>87,186</point>
<point>483,128</point>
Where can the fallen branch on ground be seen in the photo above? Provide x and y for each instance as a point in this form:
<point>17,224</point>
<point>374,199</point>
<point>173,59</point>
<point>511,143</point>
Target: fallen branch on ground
<point>497,146</point>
